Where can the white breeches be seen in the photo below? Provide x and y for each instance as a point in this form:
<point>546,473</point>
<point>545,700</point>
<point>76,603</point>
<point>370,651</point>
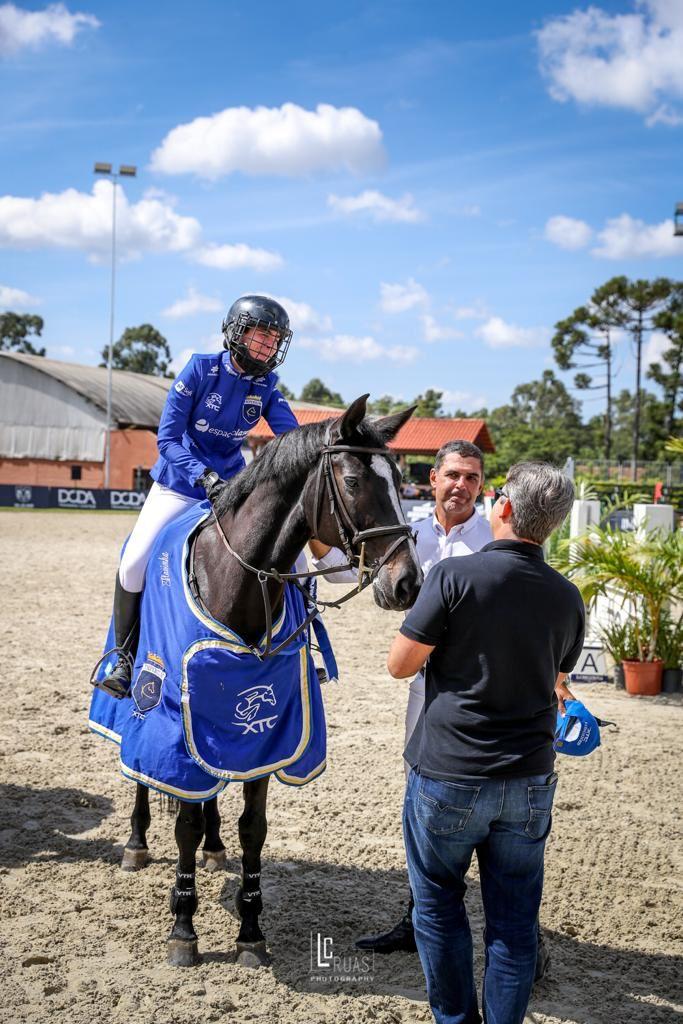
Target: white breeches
<point>416,700</point>
<point>162,505</point>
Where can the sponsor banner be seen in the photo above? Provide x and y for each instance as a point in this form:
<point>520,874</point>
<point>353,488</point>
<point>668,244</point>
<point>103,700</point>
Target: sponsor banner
<point>30,496</point>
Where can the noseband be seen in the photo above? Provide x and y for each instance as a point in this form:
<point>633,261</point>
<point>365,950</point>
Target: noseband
<point>326,487</point>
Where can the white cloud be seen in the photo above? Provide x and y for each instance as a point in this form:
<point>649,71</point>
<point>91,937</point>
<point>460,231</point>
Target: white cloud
<point>16,299</point>
<point>80,220</point>
<point>234,257</point>
<point>657,344</point>
<point>67,351</point>
<point>496,333</point>
<point>191,304</point>
<point>378,206</point>
<point>210,343</point>
<point>477,311</point>
<point>33,29</point>
<point>434,331</point>
<point>626,237</point>
<point>285,141</point>
<point>567,232</point>
<point>632,61</point>
<point>465,400</point>
<point>303,317</point>
<point>664,115</point>
<point>357,350</point>
<point>399,298</point>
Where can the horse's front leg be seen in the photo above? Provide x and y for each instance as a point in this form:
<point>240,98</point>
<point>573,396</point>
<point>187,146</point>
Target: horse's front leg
<point>135,852</point>
<point>182,942</point>
<point>213,850</point>
<point>251,944</point>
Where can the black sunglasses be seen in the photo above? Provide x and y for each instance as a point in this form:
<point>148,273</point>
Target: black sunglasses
<point>499,493</point>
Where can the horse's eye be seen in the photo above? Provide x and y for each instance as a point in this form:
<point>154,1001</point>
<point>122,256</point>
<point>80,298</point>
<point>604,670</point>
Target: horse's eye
<point>351,482</point>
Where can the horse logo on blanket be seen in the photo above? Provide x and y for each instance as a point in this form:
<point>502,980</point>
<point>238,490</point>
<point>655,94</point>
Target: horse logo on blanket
<point>186,743</point>
<point>248,708</point>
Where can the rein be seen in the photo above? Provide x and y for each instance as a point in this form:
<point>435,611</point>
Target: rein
<point>325,485</point>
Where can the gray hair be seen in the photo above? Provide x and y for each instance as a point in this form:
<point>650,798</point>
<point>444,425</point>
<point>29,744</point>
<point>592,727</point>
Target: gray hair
<point>541,497</point>
<point>464,448</point>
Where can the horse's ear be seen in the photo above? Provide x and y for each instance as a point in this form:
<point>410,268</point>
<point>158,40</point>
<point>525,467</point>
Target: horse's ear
<point>344,427</point>
<point>389,426</point>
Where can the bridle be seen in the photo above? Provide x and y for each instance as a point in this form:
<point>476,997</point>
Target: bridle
<point>326,487</point>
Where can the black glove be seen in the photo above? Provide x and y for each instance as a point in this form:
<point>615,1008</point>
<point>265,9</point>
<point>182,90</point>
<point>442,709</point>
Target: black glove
<point>212,484</point>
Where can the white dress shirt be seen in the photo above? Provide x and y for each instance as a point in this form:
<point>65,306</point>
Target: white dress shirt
<point>434,544</point>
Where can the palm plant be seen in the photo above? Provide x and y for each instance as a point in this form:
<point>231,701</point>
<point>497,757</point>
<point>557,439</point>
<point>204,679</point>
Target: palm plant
<point>647,568</point>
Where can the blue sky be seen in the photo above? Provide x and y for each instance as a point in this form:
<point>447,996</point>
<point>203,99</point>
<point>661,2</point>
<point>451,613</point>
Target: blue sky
<point>429,187</point>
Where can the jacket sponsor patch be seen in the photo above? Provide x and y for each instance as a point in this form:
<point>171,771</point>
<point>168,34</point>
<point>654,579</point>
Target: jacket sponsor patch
<point>251,410</point>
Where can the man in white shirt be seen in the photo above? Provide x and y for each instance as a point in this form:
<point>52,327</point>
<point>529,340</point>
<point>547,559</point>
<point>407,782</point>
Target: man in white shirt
<point>455,528</point>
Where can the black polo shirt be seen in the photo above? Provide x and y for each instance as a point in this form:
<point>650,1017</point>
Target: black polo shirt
<point>503,625</point>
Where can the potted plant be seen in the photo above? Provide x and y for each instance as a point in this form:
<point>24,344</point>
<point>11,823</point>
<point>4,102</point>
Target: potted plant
<point>646,568</point>
<point>619,640</point>
<point>670,650</point>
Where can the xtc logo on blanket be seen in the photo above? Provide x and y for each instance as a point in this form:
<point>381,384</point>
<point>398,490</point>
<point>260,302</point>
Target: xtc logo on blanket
<point>250,706</point>
<point>146,690</point>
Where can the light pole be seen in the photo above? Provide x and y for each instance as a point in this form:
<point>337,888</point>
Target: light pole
<point>124,171</point>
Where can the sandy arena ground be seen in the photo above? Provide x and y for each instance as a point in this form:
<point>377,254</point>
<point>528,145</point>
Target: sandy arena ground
<point>83,941</point>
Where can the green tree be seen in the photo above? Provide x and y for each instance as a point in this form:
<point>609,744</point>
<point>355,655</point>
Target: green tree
<point>652,429</point>
<point>285,392</point>
<point>141,349</point>
<point>669,373</point>
<point>15,329</point>
<point>584,342</point>
<point>428,404</point>
<point>385,405</point>
<point>542,421</point>
<point>319,394</point>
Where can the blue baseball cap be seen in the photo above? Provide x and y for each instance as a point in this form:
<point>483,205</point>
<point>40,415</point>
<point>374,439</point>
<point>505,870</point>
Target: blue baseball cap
<point>578,731</point>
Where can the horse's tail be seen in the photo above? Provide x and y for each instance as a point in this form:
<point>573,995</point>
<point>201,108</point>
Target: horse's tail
<point>168,804</point>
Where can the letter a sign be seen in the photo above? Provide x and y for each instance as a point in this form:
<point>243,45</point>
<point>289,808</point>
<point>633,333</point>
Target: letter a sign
<point>590,668</point>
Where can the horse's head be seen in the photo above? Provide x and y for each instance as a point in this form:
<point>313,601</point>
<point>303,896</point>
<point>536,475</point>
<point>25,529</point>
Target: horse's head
<point>352,502</point>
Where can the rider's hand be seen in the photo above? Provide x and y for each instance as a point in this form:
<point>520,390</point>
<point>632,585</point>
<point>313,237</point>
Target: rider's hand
<point>212,484</point>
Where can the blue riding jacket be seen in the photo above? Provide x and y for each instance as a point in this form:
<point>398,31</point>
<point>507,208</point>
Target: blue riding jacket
<point>210,409</point>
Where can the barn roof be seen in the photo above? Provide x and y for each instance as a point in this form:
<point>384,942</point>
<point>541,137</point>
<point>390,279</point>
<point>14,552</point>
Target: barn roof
<point>137,399</point>
<point>416,437</point>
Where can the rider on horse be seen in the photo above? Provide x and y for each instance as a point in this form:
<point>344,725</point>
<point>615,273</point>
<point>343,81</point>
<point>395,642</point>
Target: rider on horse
<point>211,407</point>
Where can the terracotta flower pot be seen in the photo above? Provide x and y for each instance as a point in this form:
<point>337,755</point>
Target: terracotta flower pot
<point>643,677</point>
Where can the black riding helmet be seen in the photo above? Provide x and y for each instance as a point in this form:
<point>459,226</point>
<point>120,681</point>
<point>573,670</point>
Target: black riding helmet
<point>256,311</point>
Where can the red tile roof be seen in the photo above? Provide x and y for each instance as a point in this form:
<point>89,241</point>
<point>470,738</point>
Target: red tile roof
<point>417,437</point>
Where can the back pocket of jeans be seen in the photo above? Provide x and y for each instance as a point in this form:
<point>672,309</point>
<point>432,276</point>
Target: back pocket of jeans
<point>540,807</point>
<point>445,807</point>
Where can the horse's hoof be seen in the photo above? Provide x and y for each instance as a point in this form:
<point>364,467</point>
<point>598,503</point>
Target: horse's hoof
<point>182,952</point>
<point>214,860</point>
<point>252,954</point>
<point>134,860</point>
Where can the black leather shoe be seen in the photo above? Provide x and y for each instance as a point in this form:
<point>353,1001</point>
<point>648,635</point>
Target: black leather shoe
<point>118,682</point>
<point>401,939</point>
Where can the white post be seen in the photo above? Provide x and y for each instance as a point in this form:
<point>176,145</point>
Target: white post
<point>584,515</point>
<point>654,517</point>
<point>107,450</point>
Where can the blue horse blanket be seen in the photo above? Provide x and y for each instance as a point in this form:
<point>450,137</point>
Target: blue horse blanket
<point>204,711</point>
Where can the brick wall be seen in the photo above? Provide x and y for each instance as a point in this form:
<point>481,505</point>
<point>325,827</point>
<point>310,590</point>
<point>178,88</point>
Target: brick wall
<point>129,449</point>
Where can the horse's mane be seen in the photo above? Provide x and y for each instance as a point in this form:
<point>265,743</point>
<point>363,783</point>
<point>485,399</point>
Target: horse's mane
<point>284,457</point>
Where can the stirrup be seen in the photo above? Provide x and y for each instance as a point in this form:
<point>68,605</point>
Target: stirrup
<point>101,684</point>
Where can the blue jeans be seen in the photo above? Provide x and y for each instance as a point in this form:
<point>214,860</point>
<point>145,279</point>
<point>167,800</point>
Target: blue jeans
<point>507,822</point>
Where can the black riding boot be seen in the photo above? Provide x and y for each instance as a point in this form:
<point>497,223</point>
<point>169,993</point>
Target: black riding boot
<point>400,938</point>
<point>127,631</point>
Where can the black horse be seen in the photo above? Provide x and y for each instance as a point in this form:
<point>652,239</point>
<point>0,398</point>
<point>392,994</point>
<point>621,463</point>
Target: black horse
<point>335,480</point>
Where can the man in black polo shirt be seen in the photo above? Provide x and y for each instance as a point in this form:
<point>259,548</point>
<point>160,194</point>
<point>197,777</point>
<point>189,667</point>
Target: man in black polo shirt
<point>500,628</point>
